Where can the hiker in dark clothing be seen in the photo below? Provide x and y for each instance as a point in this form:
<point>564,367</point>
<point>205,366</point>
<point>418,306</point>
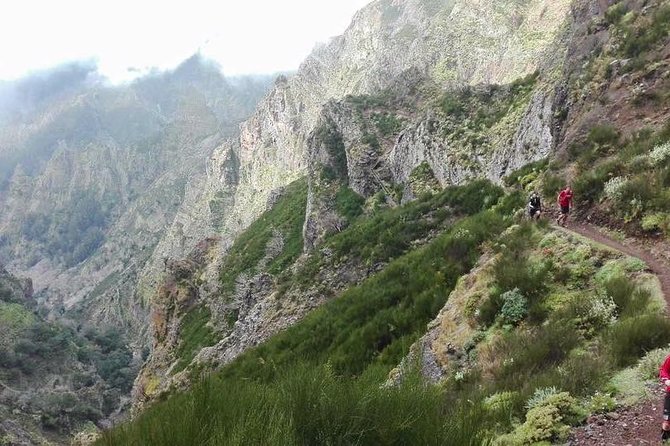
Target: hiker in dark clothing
<point>664,374</point>
<point>565,203</point>
<point>535,206</point>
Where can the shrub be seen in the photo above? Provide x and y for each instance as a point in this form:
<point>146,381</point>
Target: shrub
<point>539,396</point>
<point>614,188</point>
<point>500,402</point>
<point>615,12</point>
<point>348,203</point>
<point>488,310</point>
<point>651,362</point>
<point>551,184</point>
<point>548,421</point>
<point>630,338</point>
<point>601,403</point>
<point>659,221</point>
<point>515,307</point>
<point>629,299</point>
<point>660,153</point>
<point>588,186</point>
<point>603,135</point>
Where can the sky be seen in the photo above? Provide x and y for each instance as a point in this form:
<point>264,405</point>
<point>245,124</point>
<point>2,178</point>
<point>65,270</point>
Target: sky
<point>129,37</point>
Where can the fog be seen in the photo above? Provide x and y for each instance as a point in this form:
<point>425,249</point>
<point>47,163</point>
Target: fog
<point>127,38</point>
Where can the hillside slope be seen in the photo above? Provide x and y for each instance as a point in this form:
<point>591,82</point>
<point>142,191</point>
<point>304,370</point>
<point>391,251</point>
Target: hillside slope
<point>349,144</point>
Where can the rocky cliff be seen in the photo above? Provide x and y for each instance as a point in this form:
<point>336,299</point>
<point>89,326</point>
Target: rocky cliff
<point>365,120</point>
<point>93,175</point>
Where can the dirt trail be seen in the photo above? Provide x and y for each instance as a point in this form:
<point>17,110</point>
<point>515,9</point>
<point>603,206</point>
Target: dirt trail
<point>640,424</point>
<point>658,266</point>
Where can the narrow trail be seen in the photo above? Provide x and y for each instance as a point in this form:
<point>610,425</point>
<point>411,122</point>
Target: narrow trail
<point>640,424</point>
<point>658,266</point>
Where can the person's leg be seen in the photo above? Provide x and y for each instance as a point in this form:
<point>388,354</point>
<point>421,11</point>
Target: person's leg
<point>665,433</point>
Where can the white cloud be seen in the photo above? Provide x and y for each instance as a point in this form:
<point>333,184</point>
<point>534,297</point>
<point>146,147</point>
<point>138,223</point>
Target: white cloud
<point>245,36</point>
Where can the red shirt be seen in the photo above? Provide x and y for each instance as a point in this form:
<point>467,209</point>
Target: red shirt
<point>664,372</point>
<point>565,197</point>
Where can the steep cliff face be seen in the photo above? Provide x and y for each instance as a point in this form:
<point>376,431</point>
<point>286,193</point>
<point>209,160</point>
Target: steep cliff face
<point>365,119</point>
<point>452,43</point>
<point>92,177</point>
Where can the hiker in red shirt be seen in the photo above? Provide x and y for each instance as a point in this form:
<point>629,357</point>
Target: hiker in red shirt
<point>565,202</point>
<point>664,374</point>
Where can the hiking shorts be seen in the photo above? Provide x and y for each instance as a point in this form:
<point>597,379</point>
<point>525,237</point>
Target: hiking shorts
<point>565,210</point>
<point>666,407</point>
<point>533,211</point>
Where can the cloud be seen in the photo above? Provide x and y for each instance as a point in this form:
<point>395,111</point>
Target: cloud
<point>127,37</point>
<point>33,90</point>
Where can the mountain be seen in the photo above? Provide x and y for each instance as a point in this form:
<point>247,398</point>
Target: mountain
<point>362,109</point>
<point>345,234</point>
<point>93,174</point>
<point>308,279</point>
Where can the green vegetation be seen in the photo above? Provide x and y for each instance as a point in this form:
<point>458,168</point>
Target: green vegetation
<point>526,175</point>
<point>299,372</point>
<point>194,334</point>
<point>383,315</point>
<point>629,179</point>
<point>286,218</point>
<point>307,406</point>
<point>645,33</point>
<point>348,203</point>
<point>392,232</point>
<point>330,137</point>
<point>70,235</point>
<point>387,123</point>
<point>563,318</point>
<point>474,117</point>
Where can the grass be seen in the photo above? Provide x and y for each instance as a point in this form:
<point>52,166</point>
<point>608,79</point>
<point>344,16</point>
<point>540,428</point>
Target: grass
<point>306,406</point>
<point>318,382</point>
<point>195,334</point>
<point>287,218</point>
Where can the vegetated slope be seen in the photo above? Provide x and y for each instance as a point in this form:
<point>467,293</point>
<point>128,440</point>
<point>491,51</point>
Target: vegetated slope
<point>90,177</point>
<point>370,326</point>
<point>384,149</point>
<point>543,314</point>
<point>273,149</point>
<point>54,378</point>
<point>615,144</point>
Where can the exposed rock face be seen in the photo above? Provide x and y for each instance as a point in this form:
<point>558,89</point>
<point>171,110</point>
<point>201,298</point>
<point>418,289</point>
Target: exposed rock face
<point>451,42</point>
<point>415,49</point>
<point>91,178</point>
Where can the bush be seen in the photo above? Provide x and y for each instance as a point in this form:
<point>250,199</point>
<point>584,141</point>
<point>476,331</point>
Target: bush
<point>614,188</point>
<point>603,135</point>
<point>588,186</point>
<point>601,403</point>
<point>660,154</point>
<point>550,421</point>
<point>615,13</point>
<point>515,307</point>
<point>551,185</point>
<point>631,338</point>
<point>649,366</point>
<point>659,221</point>
<point>539,396</point>
<point>348,203</point>
<point>629,299</point>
